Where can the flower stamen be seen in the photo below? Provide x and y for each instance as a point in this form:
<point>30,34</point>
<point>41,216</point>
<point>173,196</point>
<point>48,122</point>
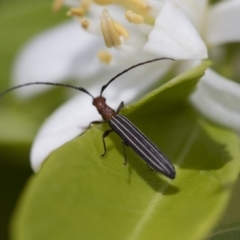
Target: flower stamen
<point>139,7</point>
<point>85,23</point>
<point>109,31</point>
<point>122,31</point>
<point>85,4</point>
<point>139,3</point>
<point>104,56</point>
<point>104,2</point>
<point>133,17</point>
<point>77,12</point>
<point>57,4</point>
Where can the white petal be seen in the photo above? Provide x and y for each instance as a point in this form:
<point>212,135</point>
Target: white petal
<point>52,55</point>
<point>70,119</point>
<point>174,36</point>
<point>218,99</point>
<point>65,124</point>
<point>155,6</point>
<point>222,25</point>
<point>194,10</point>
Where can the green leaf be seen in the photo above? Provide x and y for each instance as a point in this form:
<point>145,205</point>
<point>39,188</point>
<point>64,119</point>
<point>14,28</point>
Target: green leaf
<point>229,227</point>
<point>78,195</point>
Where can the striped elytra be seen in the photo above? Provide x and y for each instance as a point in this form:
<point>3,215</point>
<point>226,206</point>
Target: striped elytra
<point>142,145</point>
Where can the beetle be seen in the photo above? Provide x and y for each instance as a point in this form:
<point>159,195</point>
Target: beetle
<point>129,133</point>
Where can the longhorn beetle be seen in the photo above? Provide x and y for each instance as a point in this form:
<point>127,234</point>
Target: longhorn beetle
<point>129,133</point>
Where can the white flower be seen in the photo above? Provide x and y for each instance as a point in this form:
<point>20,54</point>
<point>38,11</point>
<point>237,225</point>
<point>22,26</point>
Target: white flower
<point>217,97</point>
<point>70,52</point>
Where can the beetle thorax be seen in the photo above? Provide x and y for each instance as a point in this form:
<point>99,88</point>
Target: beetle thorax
<point>104,110</point>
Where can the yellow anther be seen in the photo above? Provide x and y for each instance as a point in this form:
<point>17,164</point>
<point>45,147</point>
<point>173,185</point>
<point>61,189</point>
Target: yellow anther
<point>133,17</point>
<point>122,31</point>
<point>77,12</point>
<point>110,34</point>
<point>85,4</point>
<point>57,4</point>
<point>104,2</point>
<point>139,3</point>
<point>84,23</point>
<point>104,56</point>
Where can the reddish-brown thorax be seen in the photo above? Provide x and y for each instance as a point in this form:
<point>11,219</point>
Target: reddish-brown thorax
<point>104,110</point>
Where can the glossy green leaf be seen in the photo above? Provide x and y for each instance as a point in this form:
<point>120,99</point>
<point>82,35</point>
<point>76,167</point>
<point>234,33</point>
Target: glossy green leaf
<point>229,227</point>
<point>78,195</point>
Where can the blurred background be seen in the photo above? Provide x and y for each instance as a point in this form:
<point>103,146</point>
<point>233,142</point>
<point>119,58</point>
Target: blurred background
<point>20,20</point>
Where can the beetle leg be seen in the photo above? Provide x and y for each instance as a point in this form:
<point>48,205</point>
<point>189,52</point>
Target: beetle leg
<point>105,134</point>
<point>124,144</point>
<point>150,168</point>
<point>93,122</point>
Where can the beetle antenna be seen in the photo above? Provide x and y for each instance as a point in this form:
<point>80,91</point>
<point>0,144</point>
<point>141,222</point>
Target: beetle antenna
<point>46,83</point>
<point>134,66</point>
